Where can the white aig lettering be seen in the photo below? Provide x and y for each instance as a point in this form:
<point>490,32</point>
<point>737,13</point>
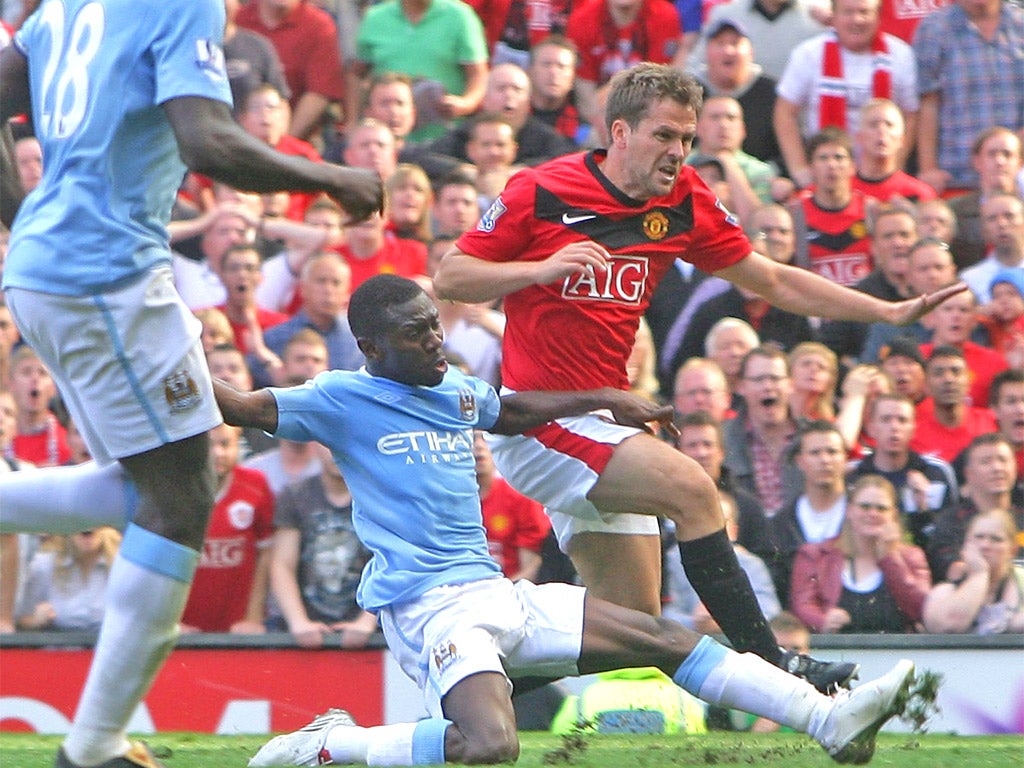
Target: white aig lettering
<point>223,553</point>
<point>845,269</point>
<point>623,282</point>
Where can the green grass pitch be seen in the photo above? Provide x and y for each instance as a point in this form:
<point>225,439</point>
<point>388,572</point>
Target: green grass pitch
<point>188,750</point>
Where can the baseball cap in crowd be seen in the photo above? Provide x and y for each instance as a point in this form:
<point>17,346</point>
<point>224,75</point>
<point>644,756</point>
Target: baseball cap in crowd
<point>1014,276</point>
<point>902,346</point>
<point>717,27</point>
<point>699,160</point>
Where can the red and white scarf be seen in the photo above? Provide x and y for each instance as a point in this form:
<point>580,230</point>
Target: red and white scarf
<point>833,87</point>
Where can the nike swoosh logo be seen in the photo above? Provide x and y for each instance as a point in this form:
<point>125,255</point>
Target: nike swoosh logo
<point>570,220</point>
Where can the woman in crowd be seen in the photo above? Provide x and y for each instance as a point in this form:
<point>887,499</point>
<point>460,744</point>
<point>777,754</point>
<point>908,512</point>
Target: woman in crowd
<point>866,579</point>
<point>815,370</point>
<point>410,200</point>
<point>985,593</point>
<point>67,581</point>
<point>217,329</point>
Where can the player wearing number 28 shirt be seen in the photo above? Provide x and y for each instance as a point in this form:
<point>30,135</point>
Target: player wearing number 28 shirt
<point>124,96</point>
<point>575,247</point>
<point>570,199</point>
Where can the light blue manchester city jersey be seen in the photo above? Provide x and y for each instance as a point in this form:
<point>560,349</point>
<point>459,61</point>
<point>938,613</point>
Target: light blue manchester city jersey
<point>407,455</point>
<point>99,71</point>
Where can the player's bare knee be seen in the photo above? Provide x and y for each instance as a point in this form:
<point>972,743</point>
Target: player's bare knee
<point>176,506</point>
<point>492,752</point>
<point>497,743</point>
<point>695,498</point>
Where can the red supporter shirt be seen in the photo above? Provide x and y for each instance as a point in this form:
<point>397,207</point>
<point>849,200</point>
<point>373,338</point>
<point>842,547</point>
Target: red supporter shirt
<point>298,201</point>
<point>398,256</point>
<point>266,318</point>
<point>838,245</point>
<point>513,522</point>
<point>306,41</point>
<point>982,366</point>
<point>520,23</point>
<point>605,49</point>
<point>48,448</point>
<point>242,523</point>
<point>290,145</point>
<point>1002,335</point>
<point>901,17</point>
<point>577,333</point>
<point>933,439</point>
<point>898,184</point>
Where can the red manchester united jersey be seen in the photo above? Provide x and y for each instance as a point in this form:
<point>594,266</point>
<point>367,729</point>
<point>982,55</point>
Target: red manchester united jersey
<point>605,48</point>
<point>838,245</point>
<point>396,256</point>
<point>898,184</point>
<point>241,522</point>
<point>513,522</point>
<point>577,333</point>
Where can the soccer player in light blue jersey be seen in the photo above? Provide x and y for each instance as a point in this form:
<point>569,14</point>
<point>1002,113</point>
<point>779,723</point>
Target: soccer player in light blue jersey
<point>123,95</point>
<point>401,431</point>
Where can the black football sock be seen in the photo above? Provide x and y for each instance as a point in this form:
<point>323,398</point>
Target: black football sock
<point>722,585</point>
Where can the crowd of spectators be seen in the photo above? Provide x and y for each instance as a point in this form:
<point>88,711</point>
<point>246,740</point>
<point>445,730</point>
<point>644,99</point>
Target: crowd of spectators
<point>872,476</point>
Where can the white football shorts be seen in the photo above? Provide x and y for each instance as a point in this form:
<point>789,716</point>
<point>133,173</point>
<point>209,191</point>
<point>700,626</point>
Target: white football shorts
<point>557,465</point>
<point>493,625</point>
<point>128,363</point>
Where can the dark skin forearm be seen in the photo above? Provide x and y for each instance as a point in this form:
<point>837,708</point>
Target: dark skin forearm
<point>212,143</point>
<point>519,412</point>
<point>526,410</point>
<point>246,409</point>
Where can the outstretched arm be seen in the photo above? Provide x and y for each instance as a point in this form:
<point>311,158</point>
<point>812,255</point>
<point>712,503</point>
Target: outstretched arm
<point>525,410</point>
<point>801,291</point>
<point>212,143</point>
<point>246,409</point>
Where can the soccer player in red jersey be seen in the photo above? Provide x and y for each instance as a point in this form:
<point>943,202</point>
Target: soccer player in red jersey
<point>576,246</point>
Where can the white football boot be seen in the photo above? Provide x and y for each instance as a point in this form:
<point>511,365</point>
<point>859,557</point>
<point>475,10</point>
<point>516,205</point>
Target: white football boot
<point>304,746</point>
<point>848,732</point>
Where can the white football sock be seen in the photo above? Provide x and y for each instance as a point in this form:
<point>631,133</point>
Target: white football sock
<point>419,743</point>
<point>348,744</point>
<point>139,628</point>
<point>66,499</point>
<point>747,682</point>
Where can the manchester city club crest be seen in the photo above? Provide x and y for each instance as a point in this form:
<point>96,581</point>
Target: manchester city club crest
<point>444,654</point>
<point>467,404</point>
<point>181,391</point>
